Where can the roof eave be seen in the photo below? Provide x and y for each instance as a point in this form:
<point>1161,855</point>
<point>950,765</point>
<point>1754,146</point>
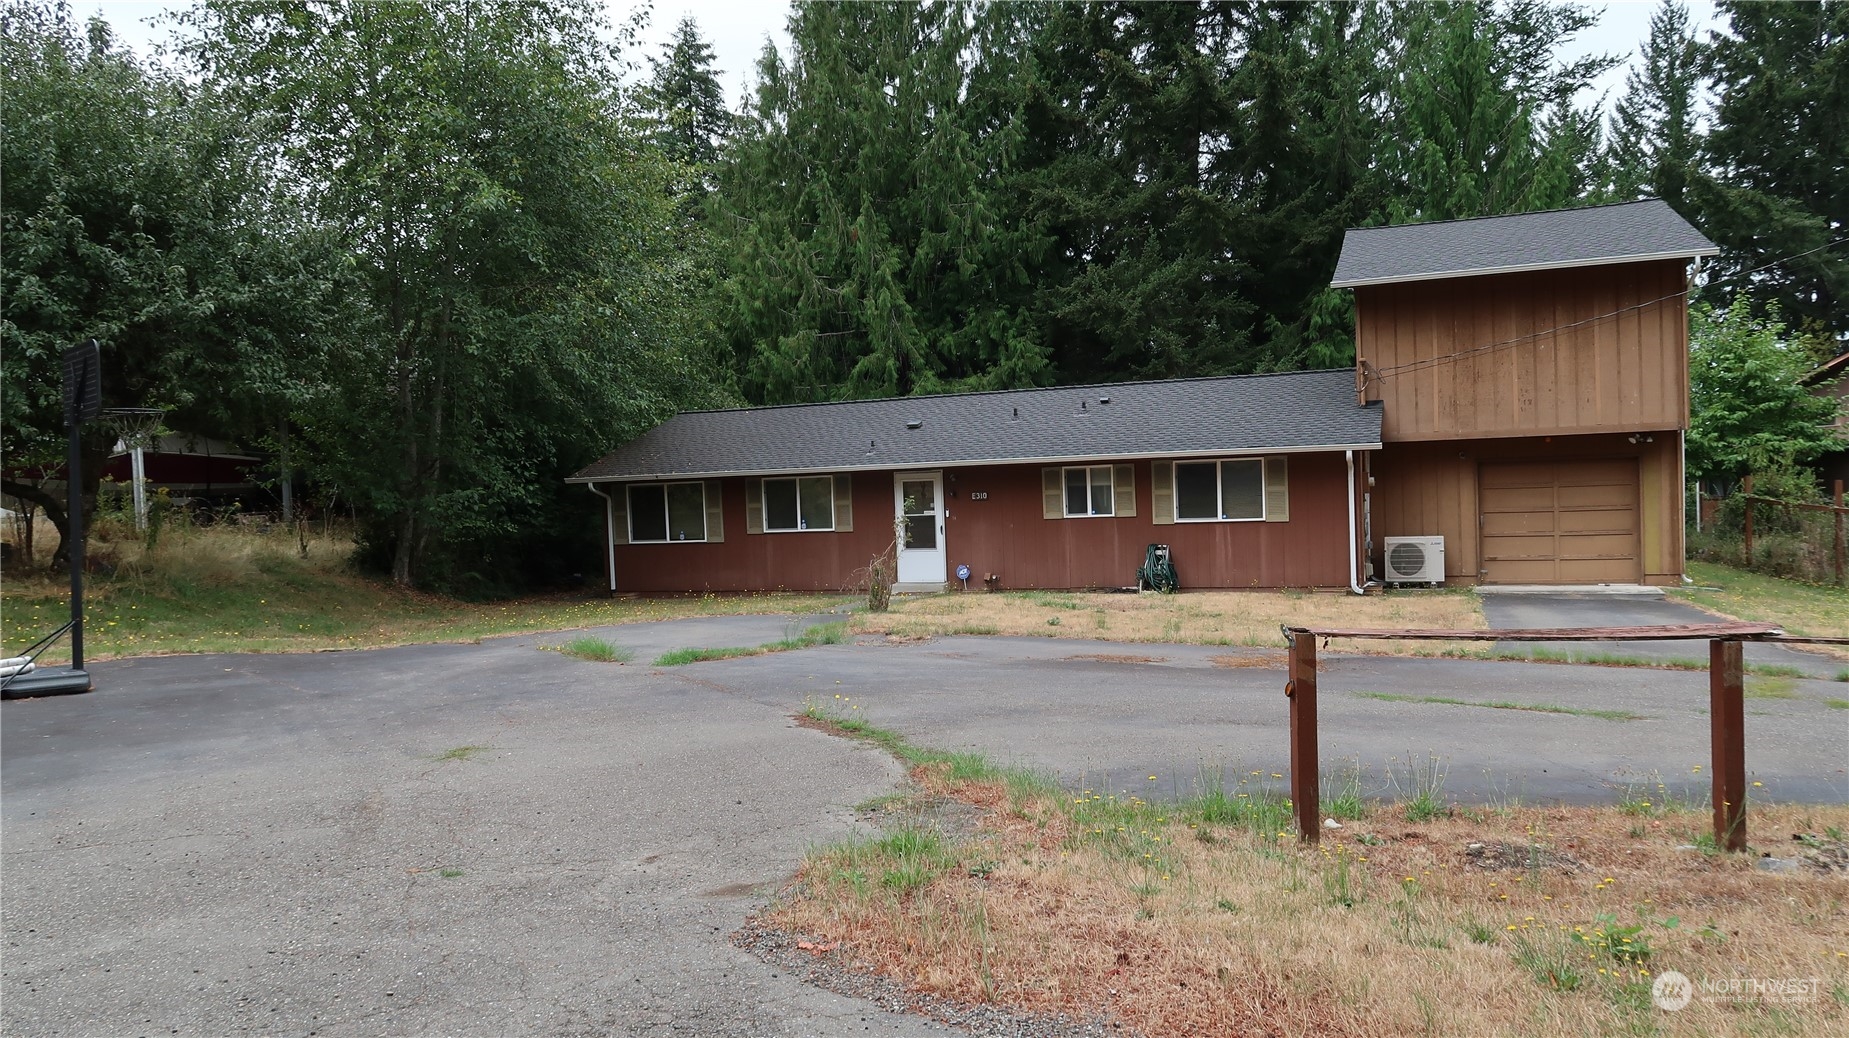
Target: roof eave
<point>1520,268</point>
<point>1054,460</point>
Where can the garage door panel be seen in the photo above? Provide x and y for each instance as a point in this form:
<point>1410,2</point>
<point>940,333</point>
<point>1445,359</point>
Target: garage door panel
<point>1590,571</point>
<point>1598,546</point>
<point>1514,549</point>
<point>1582,473</point>
<point>1497,524</point>
<point>1518,499</point>
<point>1604,495</point>
<point>1563,522</point>
<point>1604,520</point>
<point>1526,571</point>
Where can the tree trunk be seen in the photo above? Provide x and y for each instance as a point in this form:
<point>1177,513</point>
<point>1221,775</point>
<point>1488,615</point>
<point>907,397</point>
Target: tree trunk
<point>54,510</point>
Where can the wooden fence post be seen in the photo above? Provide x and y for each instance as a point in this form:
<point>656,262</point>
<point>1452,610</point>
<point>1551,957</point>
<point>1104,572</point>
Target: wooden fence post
<point>1305,795</point>
<point>1727,731</point>
<point>1836,543</point>
<point>1746,491</point>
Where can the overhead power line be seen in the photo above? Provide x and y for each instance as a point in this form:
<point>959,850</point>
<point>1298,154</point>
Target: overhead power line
<point>1426,362</point>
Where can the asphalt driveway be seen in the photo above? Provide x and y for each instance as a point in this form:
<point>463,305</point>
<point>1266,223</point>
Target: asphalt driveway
<point>494,839</point>
<point>1600,610</point>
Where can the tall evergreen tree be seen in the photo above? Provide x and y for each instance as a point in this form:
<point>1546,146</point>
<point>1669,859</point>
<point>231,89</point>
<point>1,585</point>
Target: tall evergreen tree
<point>1779,153</point>
<point>687,105</point>
<point>866,253</point>
<point>1655,140</point>
<point>1486,122</point>
<point>1133,135</point>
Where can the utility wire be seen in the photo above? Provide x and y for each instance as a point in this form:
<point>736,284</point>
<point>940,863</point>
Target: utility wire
<point>1426,362</point>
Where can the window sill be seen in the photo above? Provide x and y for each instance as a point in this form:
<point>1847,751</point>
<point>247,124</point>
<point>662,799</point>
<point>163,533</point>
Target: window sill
<point>1250,519</point>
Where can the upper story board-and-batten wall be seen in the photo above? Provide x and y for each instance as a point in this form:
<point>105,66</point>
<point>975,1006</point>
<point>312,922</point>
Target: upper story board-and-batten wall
<point>1564,322</point>
<point>1540,353</point>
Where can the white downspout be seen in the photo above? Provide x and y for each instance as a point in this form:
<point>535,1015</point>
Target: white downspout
<point>1354,581</point>
<point>609,532</point>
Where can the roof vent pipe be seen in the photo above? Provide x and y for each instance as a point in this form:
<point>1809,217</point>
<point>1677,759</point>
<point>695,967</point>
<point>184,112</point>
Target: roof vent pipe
<point>1017,414</point>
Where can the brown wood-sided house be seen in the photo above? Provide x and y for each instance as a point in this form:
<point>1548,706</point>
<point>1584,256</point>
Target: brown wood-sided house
<point>1521,391</point>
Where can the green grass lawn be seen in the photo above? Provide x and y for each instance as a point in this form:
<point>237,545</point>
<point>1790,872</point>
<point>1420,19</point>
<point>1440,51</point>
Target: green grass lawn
<point>1814,610</point>
<point>237,591</point>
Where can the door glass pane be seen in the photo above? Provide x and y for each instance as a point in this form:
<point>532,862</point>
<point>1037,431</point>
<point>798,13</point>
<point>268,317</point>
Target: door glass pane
<point>1101,490</point>
<point>1242,489</point>
<point>920,496</point>
<point>1076,502</point>
<point>780,504</point>
<point>818,503</point>
<point>921,532</point>
<point>686,512</point>
<point>1196,496</point>
<point>648,515</point>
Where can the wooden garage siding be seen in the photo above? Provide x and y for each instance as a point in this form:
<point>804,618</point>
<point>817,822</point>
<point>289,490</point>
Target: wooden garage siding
<point>1007,534</point>
<point>1432,488</point>
<point>1596,374</point>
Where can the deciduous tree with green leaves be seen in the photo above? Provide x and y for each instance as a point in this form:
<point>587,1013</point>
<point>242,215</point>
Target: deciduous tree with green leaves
<point>1748,411</point>
<point>511,235</point>
<point>136,213</point>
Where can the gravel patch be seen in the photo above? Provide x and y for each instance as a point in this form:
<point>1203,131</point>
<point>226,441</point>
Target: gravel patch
<point>835,970</point>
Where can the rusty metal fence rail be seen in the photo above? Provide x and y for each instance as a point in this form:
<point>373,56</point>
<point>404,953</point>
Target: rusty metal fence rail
<point>1726,703</point>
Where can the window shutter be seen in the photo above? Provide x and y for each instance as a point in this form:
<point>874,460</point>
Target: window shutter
<point>1277,489</point>
<point>619,514</point>
<point>1162,493</point>
<point>1052,493</point>
<point>715,515</point>
<point>754,506</point>
<point>1123,490</point>
<point>844,503</point>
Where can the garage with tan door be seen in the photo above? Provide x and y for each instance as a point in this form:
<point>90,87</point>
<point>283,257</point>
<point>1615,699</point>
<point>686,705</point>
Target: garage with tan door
<point>1559,522</point>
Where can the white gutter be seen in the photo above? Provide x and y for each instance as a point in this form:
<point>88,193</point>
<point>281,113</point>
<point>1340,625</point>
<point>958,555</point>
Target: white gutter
<point>1354,574</point>
<point>894,466</point>
<point>609,531</point>
<point>1522,268</point>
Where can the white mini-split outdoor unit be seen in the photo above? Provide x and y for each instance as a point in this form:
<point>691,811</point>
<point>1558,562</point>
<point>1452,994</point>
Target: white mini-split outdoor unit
<point>1415,560</point>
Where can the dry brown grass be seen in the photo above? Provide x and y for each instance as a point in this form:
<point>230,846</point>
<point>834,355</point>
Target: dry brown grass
<point>1199,618</point>
<point>1174,926</point>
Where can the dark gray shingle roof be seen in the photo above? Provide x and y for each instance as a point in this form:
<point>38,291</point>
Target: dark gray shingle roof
<point>1623,233</point>
<point>1246,413</point>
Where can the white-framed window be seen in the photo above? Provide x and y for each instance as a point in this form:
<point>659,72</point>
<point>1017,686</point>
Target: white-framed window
<point>1232,490</point>
<point>663,512</point>
<point>1088,491</point>
<point>799,503</point>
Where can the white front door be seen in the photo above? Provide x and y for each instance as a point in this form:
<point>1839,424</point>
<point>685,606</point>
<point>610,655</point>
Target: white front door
<point>919,498</point>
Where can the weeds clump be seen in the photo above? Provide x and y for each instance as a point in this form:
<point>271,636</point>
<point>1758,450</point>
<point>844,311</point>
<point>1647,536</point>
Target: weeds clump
<point>597,650</point>
<point>820,634</point>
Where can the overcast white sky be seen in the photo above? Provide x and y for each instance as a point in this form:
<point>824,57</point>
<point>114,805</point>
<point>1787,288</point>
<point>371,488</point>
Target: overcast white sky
<point>737,29</point>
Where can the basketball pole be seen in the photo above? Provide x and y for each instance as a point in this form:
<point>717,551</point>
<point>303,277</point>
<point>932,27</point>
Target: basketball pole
<point>140,473</point>
<point>73,537</point>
